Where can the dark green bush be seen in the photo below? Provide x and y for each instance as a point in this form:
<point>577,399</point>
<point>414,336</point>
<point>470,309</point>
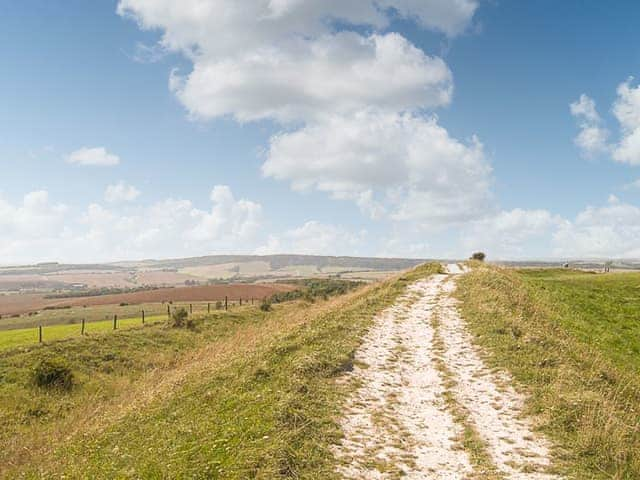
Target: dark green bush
<point>179,318</point>
<point>265,306</point>
<point>53,374</point>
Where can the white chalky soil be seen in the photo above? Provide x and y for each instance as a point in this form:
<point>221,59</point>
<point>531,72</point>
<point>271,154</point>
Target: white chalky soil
<point>397,422</point>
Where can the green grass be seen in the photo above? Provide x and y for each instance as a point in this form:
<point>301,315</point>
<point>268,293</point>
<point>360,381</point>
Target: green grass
<point>252,395</point>
<point>29,336</point>
<point>569,339</point>
<point>601,310</point>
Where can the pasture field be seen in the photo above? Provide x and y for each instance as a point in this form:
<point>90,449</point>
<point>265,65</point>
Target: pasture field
<point>30,336</point>
<point>247,394</point>
<point>571,340</point>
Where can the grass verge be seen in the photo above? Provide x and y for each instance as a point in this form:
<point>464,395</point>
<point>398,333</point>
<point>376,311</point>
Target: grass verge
<point>579,386</point>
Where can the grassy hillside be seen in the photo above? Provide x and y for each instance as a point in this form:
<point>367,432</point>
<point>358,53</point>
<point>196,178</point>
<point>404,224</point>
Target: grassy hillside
<point>571,340</point>
<point>249,394</point>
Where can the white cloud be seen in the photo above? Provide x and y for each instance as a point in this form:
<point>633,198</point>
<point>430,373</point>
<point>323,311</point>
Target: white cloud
<point>403,165</point>
<point>314,238</point>
<point>612,230</point>
<point>356,98</point>
<point>34,217</point>
<point>627,110</point>
<point>285,60</point>
<point>509,234</point>
<point>39,230</point>
<point>302,80</point>
<point>592,138</point>
<point>96,156</point>
<point>121,192</point>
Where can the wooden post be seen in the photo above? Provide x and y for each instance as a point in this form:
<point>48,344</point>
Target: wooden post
<point>115,322</point>
<point>191,308</point>
<point>39,333</point>
<point>251,300</point>
<point>226,303</point>
<point>240,301</point>
<point>82,328</point>
<point>208,307</point>
<point>143,317</point>
<point>168,311</point>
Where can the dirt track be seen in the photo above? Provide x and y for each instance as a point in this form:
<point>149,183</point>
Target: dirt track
<point>421,383</point>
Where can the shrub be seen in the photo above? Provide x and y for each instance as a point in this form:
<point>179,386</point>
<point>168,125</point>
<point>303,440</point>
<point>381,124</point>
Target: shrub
<point>53,374</point>
<point>265,306</point>
<point>179,318</point>
<point>480,256</point>
<point>218,305</point>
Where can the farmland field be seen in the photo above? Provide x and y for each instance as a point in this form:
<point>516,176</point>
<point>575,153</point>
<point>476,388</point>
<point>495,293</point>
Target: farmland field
<point>20,304</point>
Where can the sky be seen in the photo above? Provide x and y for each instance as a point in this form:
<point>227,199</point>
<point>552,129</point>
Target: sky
<point>138,129</point>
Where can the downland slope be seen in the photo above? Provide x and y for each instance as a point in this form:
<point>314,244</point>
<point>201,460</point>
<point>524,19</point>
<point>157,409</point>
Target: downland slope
<point>255,394</point>
<point>247,394</point>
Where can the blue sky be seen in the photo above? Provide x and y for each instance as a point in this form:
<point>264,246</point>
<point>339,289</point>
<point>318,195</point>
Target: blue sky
<point>286,129</point>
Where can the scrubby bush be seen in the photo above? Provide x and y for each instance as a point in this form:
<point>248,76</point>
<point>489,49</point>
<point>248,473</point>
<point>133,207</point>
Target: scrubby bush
<point>179,318</point>
<point>479,256</point>
<point>218,305</point>
<point>53,375</point>
<point>265,306</point>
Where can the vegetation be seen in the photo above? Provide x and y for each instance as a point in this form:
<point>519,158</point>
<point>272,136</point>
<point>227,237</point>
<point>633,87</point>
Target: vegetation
<point>479,256</point>
<point>28,337</point>
<point>250,396</point>
<point>313,288</point>
<point>571,340</point>
<point>98,292</point>
<point>53,374</point>
<point>179,318</point>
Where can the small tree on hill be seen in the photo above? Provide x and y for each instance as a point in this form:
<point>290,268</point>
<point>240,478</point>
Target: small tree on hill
<point>479,256</point>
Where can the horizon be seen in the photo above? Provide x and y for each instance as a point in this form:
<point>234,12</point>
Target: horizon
<point>377,129</point>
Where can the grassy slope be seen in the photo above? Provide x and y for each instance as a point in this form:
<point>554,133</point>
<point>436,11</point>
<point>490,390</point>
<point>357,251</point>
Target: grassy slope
<point>570,340</point>
<point>258,397</point>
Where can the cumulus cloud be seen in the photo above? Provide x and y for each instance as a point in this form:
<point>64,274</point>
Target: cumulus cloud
<point>353,103</point>
<point>302,80</point>
<point>38,229</point>
<point>286,60</point>
<point>402,165</point>
<point>592,138</point>
<point>627,110</point>
<point>611,230</point>
<point>511,234</point>
<point>121,192</point>
<point>314,238</point>
<point>96,156</point>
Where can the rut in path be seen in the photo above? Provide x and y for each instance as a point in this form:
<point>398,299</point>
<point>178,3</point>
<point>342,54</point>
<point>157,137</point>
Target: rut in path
<point>398,422</point>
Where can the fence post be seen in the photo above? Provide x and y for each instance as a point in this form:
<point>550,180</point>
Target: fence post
<point>115,322</point>
<point>208,307</point>
<point>191,308</point>
<point>82,329</point>
<point>240,301</point>
<point>39,333</point>
<point>168,310</point>
<point>143,317</point>
<point>226,303</point>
